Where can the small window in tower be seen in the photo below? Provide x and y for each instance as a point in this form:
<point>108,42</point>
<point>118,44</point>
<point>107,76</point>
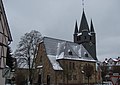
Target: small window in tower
<point>85,37</point>
<point>90,37</point>
<point>79,38</point>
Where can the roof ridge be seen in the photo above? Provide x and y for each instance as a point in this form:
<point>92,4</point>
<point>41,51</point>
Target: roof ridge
<point>59,39</point>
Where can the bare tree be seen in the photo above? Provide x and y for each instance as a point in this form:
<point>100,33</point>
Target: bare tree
<point>88,71</point>
<point>27,50</point>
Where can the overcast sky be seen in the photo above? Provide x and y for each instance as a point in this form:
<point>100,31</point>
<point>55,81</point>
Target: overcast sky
<point>56,18</point>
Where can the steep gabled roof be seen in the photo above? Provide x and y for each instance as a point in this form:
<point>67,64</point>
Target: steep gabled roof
<point>57,49</point>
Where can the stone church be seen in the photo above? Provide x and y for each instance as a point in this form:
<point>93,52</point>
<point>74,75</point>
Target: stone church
<point>61,62</point>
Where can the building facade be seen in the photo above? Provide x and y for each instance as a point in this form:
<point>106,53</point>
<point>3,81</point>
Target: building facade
<point>5,39</point>
<point>61,62</point>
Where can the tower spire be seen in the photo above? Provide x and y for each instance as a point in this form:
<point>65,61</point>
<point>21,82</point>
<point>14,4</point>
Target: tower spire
<point>83,25</point>
<point>92,27</point>
<point>85,36</point>
<point>76,28</point>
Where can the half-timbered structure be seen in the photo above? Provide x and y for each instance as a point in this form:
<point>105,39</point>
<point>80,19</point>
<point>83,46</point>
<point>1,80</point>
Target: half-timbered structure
<point>5,39</point>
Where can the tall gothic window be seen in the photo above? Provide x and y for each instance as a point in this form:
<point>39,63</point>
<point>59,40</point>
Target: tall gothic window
<point>70,65</point>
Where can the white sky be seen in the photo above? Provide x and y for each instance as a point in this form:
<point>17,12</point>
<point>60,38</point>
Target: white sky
<point>56,18</point>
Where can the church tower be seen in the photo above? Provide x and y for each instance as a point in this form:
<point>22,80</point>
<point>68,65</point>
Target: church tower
<point>86,36</point>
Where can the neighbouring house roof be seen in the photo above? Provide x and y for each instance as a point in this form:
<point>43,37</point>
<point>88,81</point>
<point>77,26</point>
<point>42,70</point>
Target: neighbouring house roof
<point>112,62</point>
<point>57,49</point>
<point>115,60</point>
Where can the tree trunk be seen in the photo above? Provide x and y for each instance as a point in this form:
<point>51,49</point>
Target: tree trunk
<point>88,80</point>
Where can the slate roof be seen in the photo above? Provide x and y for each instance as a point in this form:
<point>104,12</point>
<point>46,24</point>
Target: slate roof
<point>60,49</point>
<point>83,25</point>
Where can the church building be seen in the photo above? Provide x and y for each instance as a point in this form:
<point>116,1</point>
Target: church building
<point>61,62</point>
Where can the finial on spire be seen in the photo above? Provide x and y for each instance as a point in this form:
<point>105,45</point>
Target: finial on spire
<point>83,4</point>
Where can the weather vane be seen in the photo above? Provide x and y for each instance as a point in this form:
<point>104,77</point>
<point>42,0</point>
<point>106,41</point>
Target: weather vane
<point>83,4</point>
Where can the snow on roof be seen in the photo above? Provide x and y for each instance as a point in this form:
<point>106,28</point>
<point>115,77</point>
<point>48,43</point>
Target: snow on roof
<point>60,49</point>
<point>106,61</point>
<point>55,64</point>
<point>116,60</point>
<point>79,34</point>
<point>89,33</point>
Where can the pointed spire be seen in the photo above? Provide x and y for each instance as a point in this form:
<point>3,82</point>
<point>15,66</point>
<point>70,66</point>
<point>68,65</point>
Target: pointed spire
<point>83,25</point>
<point>92,27</point>
<point>76,28</point>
